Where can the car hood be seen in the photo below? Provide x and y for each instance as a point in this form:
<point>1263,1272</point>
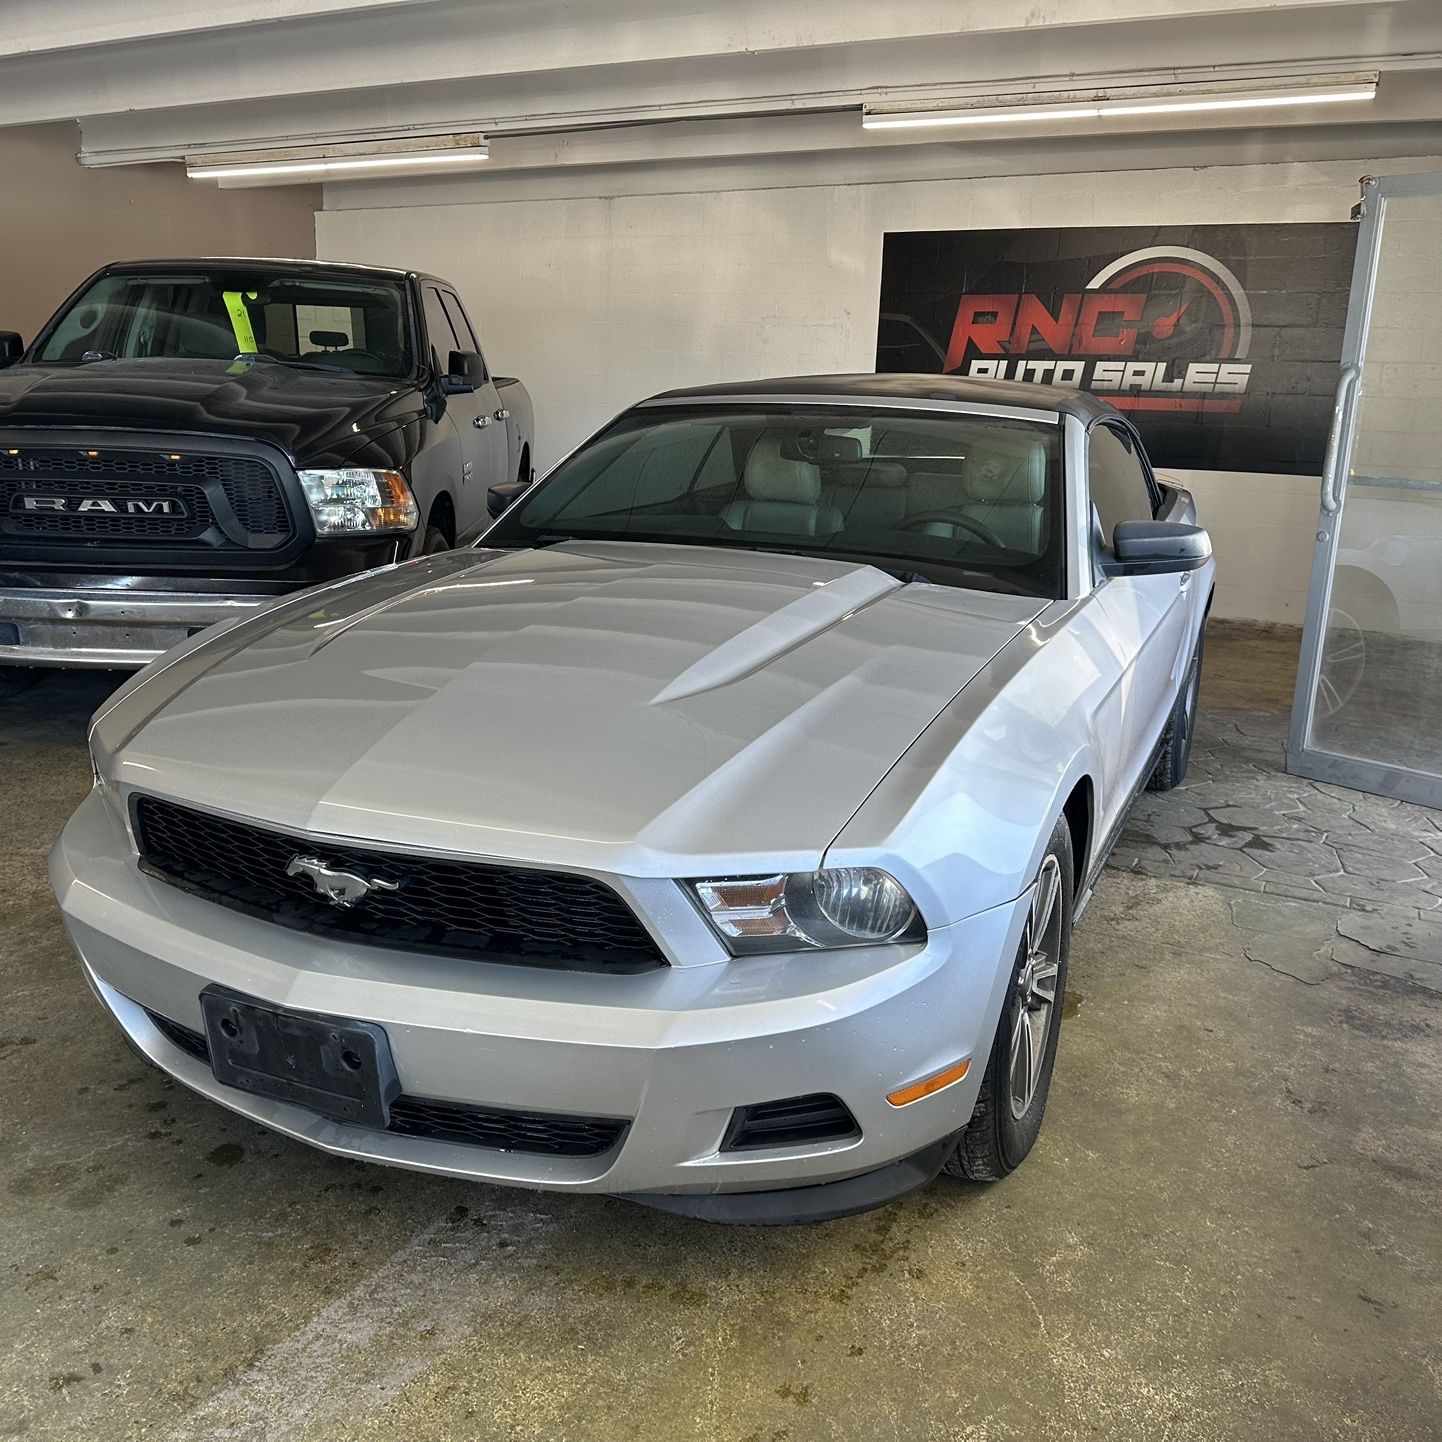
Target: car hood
<point>316,417</point>
<point>634,708</point>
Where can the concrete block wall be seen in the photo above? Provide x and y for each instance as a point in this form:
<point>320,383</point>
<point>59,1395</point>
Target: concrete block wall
<point>597,302</point>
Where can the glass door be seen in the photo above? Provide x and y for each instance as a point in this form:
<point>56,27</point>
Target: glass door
<point>1368,706</point>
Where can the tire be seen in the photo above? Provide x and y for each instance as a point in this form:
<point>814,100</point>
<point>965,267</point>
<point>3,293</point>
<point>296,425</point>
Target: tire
<point>1012,1101</point>
<point>436,541</point>
<point>1176,747</point>
<point>15,679</point>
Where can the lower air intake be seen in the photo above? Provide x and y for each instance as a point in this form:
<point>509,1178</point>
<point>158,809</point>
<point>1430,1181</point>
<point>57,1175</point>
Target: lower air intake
<point>794,1122</point>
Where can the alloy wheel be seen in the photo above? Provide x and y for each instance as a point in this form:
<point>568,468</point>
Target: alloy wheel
<point>1035,988</point>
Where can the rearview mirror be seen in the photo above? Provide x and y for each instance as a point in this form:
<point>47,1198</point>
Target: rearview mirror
<point>1157,548</point>
<point>12,347</point>
<point>501,497</point>
<point>466,371</point>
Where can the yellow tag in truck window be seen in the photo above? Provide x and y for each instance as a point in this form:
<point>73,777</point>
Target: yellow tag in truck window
<point>240,320</point>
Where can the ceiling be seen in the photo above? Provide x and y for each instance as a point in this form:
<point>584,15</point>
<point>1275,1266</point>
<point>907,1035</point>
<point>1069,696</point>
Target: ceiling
<point>601,96</point>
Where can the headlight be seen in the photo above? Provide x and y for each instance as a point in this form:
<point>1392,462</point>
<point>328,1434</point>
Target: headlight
<point>848,906</point>
<point>353,503</point>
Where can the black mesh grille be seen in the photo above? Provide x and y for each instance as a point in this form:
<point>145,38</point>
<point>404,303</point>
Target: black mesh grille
<point>256,501</point>
<point>192,1042</point>
<point>794,1122</point>
<point>248,485</point>
<point>542,1133</point>
<point>547,1134</point>
<point>537,918</point>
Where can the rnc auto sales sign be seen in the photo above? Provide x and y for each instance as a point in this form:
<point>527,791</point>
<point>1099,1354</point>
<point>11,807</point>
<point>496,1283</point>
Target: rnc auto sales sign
<point>1220,342</point>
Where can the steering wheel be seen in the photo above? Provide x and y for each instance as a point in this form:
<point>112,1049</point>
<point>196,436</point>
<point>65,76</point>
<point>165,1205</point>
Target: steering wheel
<point>951,518</point>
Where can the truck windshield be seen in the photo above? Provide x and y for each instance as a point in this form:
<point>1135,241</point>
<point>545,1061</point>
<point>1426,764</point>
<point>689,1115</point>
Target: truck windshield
<point>959,499</point>
<point>326,321</point>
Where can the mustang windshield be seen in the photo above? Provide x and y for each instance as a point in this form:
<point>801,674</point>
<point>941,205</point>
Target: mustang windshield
<point>331,322</point>
<point>968,500</point>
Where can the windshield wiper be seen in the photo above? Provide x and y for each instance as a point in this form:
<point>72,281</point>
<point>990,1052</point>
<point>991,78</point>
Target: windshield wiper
<point>252,356</point>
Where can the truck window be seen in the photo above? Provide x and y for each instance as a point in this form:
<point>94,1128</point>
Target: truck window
<point>460,321</point>
<point>355,325</point>
<point>438,326</point>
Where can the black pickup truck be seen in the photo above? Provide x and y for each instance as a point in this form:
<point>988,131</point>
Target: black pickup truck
<point>185,440</point>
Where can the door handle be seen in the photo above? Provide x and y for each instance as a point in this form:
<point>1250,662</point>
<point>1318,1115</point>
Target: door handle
<point>503,414</point>
<point>1346,388</point>
<point>481,422</point>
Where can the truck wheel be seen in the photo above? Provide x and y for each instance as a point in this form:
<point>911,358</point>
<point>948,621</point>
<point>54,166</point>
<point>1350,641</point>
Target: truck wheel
<point>436,540</point>
<point>15,679</point>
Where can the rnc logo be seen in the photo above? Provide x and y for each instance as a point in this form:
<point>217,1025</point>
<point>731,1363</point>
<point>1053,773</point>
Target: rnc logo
<point>1163,328</point>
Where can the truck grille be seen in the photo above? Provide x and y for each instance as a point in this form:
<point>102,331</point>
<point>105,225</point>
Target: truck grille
<point>141,495</point>
<point>492,913</point>
<point>549,1134</point>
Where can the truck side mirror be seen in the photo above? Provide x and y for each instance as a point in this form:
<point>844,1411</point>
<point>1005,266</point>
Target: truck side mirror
<point>12,347</point>
<point>466,370</point>
<point>501,497</point>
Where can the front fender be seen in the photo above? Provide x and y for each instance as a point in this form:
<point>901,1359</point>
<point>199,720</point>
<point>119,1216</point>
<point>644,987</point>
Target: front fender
<point>963,818</point>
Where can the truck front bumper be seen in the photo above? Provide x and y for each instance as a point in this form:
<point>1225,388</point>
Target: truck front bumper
<point>108,629</point>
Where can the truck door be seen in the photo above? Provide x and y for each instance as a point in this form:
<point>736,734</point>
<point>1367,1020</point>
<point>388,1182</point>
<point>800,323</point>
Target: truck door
<point>490,433</point>
<point>468,411</point>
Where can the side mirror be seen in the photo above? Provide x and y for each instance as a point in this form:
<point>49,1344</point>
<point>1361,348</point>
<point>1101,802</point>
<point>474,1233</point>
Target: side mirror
<point>466,371</point>
<point>503,496</point>
<point>12,347</point>
<point>1157,548</point>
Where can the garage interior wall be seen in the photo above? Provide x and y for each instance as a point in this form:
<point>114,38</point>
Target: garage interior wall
<point>60,222</point>
<point>597,302</point>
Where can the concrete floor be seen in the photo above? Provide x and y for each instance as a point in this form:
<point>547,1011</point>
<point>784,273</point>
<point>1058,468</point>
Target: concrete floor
<point>1230,1228</point>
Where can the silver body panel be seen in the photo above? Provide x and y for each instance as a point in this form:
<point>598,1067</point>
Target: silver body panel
<point>643,714</point>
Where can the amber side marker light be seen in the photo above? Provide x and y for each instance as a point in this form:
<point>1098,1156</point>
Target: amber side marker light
<point>931,1084</point>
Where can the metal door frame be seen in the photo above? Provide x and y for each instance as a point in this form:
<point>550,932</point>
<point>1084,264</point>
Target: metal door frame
<point>1384,779</point>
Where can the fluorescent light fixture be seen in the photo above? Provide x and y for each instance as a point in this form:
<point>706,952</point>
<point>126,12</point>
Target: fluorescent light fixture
<point>300,166</point>
<point>1163,104</point>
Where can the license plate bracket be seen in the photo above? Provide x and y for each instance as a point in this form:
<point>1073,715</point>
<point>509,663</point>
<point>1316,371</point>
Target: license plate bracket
<point>336,1067</point>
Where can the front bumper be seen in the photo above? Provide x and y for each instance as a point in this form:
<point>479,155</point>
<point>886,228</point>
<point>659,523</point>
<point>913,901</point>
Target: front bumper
<point>108,629</point>
<point>674,1051</point>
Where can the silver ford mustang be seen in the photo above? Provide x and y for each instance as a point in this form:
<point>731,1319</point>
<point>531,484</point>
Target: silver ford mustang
<point>710,835</point>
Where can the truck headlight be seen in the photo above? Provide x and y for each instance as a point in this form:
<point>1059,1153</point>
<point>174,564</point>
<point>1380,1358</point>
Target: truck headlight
<point>355,503</point>
<point>846,906</point>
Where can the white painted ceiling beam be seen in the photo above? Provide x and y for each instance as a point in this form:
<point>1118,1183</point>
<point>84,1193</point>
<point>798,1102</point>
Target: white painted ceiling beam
<point>1412,98</point>
<point>1255,45</point>
<point>40,27</point>
<point>455,40</point>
